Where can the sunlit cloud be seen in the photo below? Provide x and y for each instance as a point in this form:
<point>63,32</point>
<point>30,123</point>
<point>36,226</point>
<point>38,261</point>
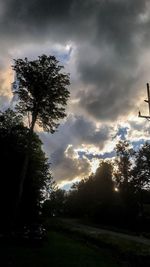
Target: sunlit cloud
<point>67,184</point>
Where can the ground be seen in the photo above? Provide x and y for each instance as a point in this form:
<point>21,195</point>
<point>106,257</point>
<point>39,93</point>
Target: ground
<point>59,250</point>
<point>73,244</point>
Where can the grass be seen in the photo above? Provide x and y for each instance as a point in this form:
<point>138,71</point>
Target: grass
<point>59,250</point>
<point>125,246</point>
<point>129,251</point>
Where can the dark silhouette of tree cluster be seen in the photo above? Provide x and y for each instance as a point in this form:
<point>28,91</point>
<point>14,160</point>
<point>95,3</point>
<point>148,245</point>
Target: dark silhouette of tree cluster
<point>55,205</point>
<point>13,143</point>
<point>91,197</point>
<point>115,195</point>
<point>98,191</point>
<point>132,176</point>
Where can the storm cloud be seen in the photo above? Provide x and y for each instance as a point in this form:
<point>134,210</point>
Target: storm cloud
<point>77,130</point>
<point>104,44</point>
<point>109,36</point>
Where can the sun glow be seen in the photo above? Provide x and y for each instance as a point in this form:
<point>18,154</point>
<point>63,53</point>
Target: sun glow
<point>94,165</point>
<point>116,189</point>
<point>6,80</point>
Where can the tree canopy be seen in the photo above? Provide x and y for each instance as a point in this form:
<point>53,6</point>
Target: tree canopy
<point>42,91</point>
<point>141,171</point>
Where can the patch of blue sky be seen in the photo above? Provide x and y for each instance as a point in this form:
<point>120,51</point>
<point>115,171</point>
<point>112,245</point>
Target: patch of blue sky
<point>67,187</point>
<point>108,155</point>
<point>90,156</point>
<point>137,144</point>
<point>122,133</point>
<point>63,56</point>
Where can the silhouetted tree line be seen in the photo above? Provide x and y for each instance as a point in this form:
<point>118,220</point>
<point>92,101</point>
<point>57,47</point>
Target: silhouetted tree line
<point>117,194</point>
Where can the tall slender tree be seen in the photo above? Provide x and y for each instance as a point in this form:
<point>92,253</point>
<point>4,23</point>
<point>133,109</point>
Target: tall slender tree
<point>141,174</point>
<point>123,165</point>
<point>42,96</point>
<point>123,176</point>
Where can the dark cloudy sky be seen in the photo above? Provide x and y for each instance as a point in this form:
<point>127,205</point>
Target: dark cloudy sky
<point>105,45</point>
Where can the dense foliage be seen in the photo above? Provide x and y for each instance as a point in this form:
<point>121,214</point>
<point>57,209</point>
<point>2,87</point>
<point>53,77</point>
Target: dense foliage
<point>13,143</point>
<point>42,91</point>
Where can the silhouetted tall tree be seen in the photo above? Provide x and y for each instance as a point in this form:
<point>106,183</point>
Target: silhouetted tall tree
<point>123,176</point>
<point>92,197</point>
<point>141,168</point>
<point>123,164</point>
<point>103,190</point>
<point>42,96</point>
<point>141,172</point>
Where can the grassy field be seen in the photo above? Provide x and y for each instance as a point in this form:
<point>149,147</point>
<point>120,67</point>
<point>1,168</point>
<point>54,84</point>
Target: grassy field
<point>131,251</point>
<point>59,250</point>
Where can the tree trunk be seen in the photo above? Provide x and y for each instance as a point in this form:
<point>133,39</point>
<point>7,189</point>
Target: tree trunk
<point>23,172</point>
<point>141,203</point>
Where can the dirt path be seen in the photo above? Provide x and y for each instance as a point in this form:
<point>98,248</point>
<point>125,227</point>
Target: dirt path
<point>97,231</point>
